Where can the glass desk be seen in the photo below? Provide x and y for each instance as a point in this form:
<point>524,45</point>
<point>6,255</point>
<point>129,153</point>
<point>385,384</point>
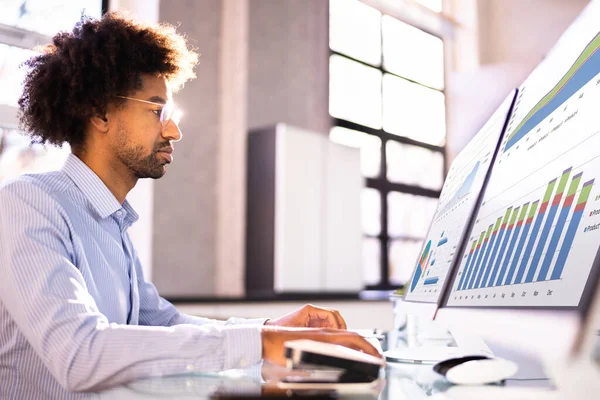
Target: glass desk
<point>401,381</point>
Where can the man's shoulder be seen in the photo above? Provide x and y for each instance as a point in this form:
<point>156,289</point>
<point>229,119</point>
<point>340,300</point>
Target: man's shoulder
<point>51,185</point>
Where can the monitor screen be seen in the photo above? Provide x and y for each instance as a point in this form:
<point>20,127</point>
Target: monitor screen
<point>458,198</point>
<point>536,233</point>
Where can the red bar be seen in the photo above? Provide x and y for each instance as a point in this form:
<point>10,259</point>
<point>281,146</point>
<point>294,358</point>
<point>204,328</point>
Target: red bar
<point>569,201</point>
<point>556,200</point>
<point>580,207</point>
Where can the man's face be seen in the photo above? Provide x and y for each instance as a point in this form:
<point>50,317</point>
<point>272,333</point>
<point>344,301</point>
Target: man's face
<point>140,141</point>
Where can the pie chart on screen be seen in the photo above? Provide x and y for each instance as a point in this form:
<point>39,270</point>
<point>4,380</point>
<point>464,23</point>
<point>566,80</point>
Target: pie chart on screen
<point>422,265</point>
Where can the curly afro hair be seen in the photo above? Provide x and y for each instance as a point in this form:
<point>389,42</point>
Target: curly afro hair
<point>81,71</point>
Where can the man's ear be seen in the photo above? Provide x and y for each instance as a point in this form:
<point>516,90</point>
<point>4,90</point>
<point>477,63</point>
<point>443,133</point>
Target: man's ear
<point>100,122</point>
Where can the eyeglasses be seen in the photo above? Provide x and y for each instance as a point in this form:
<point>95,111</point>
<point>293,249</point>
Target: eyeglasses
<point>168,111</point>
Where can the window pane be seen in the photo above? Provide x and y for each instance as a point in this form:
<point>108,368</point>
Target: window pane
<point>403,257</point>
<point>414,165</point>
<point>369,145</point>
<point>434,5</point>
<point>413,111</point>
<point>19,157</point>
<point>409,215</point>
<point>355,30</point>
<point>11,76</point>
<point>354,92</point>
<point>372,261</point>
<point>47,16</point>
<point>371,211</point>
<point>412,53</point>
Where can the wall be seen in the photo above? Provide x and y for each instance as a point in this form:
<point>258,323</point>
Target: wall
<point>262,62</point>
<point>289,64</point>
<point>185,199</point>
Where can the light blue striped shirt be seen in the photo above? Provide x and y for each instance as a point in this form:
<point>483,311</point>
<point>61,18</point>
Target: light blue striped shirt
<point>76,314</point>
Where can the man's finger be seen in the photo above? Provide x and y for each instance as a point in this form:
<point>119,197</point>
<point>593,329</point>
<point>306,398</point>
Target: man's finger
<point>359,343</point>
<point>341,322</point>
<point>319,315</point>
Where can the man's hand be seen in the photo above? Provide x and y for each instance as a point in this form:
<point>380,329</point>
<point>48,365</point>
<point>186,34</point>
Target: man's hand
<point>273,339</point>
<point>310,316</point>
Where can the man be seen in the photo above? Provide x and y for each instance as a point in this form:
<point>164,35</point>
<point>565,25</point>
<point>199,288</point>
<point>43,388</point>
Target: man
<point>76,314</point>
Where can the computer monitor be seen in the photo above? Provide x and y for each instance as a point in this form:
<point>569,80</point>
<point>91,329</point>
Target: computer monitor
<point>460,194</point>
<point>424,341</point>
<point>530,263</point>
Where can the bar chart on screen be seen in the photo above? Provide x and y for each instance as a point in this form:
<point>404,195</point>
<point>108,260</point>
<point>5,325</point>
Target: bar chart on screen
<point>537,231</point>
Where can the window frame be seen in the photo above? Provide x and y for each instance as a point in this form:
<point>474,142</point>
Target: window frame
<point>382,183</point>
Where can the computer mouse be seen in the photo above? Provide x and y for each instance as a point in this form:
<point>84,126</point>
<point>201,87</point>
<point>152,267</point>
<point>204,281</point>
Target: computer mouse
<point>476,370</point>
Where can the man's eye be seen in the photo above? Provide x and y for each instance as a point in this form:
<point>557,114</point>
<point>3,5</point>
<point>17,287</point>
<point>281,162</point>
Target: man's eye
<point>157,112</point>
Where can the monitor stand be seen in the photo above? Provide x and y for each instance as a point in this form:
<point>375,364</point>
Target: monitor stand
<point>466,344</point>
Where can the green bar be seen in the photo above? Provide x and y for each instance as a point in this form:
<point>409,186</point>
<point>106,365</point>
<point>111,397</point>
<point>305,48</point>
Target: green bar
<point>497,226</point>
<point>480,239</point>
<point>563,182</point>
<point>549,190</point>
<point>506,216</point>
<point>489,232</point>
<point>473,245</point>
<point>574,185</point>
<point>514,216</point>
<point>533,209</point>
<point>584,194</point>
<point>523,212</point>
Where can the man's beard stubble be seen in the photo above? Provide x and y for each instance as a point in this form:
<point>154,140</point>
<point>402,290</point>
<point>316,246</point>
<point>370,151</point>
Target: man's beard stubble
<point>133,157</point>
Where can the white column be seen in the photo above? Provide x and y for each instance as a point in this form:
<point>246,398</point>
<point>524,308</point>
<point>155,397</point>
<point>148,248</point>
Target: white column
<point>231,168</point>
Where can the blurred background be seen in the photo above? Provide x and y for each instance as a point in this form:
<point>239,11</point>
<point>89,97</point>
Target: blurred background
<point>316,137</point>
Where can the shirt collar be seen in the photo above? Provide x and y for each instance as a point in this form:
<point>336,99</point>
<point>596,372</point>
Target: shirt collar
<point>99,196</point>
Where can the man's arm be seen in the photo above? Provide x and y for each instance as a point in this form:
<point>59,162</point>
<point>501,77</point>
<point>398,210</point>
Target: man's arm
<point>156,311</point>
<point>46,296</point>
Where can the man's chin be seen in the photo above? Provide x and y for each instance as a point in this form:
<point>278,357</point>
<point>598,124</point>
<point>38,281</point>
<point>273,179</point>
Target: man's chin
<point>155,174</point>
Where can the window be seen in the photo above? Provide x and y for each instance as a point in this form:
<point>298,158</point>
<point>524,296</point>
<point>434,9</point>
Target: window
<point>387,98</point>
<point>24,23</point>
<point>46,17</point>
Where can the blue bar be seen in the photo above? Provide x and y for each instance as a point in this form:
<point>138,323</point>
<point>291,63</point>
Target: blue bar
<point>564,213</point>
<point>511,248</point>
<point>485,282</point>
<point>476,260</point>
<point>462,278</point>
<point>499,261</point>
<point>571,231</point>
<point>484,265</point>
<point>541,244</point>
<point>431,281</point>
<point>432,262</point>
<point>518,253</point>
<point>566,246</point>
<point>478,264</point>
<point>534,234</point>
<point>443,242</point>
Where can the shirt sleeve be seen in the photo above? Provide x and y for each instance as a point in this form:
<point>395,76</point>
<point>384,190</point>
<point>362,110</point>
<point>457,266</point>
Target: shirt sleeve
<point>47,298</point>
<point>156,311</point>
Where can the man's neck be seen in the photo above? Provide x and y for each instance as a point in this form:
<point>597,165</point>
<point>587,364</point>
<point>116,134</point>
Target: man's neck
<point>116,176</point>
